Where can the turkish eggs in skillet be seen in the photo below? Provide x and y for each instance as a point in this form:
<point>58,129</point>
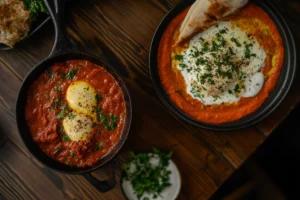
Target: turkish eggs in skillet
<point>76,112</point>
<point>224,72</point>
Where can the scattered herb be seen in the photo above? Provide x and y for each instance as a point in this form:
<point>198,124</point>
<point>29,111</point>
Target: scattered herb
<point>64,107</point>
<point>70,75</point>
<point>97,97</point>
<point>178,57</point>
<point>50,72</point>
<point>148,178</point>
<point>57,89</point>
<point>57,149</point>
<point>66,138</point>
<point>47,96</point>
<point>69,164</point>
<point>100,145</point>
<point>62,75</point>
<point>61,115</point>
<point>73,154</point>
<point>237,43</point>
<point>56,103</point>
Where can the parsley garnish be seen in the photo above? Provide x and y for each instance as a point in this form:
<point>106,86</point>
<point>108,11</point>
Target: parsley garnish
<point>61,115</point>
<point>70,75</point>
<point>62,75</point>
<point>73,154</point>
<point>66,138</point>
<point>178,57</point>
<point>237,43</point>
<point>50,72</point>
<point>100,145</point>
<point>57,149</point>
<point>47,96</point>
<point>97,97</point>
<point>148,178</point>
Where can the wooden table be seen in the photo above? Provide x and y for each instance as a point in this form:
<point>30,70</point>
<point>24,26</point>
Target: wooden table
<point>121,31</point>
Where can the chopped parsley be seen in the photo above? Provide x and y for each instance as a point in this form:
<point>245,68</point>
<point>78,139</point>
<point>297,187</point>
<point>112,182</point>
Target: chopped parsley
<point>50,72</point>
<point>61,115</point>
<point>109,122</point>
<point>99,146</point>
<point>178,57</point>
<point>73,154</point>
<point>70,75</point>
<point>148,178</point>
<point>97,97</point>
<point>66,137</point>
<point>47,96</point>
<point>237,43</point>
<point>57,149</point>
<point>56,103</point>
<point>62,75</point>
<point>57,89</point>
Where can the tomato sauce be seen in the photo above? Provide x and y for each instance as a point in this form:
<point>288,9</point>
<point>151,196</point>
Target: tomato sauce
<point>258,24</point>
<point>46,98</point>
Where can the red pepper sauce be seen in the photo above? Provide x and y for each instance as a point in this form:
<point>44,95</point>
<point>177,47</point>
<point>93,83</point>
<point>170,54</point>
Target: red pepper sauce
<point>46,100</point>
<point>259,25</point>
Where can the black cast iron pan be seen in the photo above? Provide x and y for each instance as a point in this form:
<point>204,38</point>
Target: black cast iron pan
<point>272,102</point>
<point>63,51</point>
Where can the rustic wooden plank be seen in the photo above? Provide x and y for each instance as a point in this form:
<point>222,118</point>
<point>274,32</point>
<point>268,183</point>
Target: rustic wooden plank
<point>121,32</point>
<point>291,14</point>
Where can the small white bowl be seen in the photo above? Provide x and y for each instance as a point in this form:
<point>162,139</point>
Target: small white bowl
<point>169,193</point>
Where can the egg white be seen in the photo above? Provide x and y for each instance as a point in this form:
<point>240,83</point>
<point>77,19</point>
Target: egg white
<point>253,78</point>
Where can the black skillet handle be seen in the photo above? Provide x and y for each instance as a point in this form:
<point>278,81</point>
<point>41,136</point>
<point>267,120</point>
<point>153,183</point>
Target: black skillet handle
<point>57,11</point>
<point>106,185</point>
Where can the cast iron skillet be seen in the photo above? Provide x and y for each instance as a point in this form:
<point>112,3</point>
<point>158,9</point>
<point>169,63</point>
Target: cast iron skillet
<point>63,51</point>
<point>275,98</point>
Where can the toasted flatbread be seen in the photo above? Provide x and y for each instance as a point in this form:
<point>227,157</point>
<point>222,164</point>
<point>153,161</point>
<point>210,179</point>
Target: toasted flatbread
<point>14,22</point>
<point>205,13</point>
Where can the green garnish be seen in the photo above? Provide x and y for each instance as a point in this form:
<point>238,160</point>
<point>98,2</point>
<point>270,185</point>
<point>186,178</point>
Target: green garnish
<point>56,102</point>
<point>61,115</point>
<point>70,75</point>
<point>64,107</point>
<point>178,57</point>
<point>57,89</point>
<point>148,178</point>
<point>66,138</point>
<point>47,96</point>
<point>97,97</point>
<point>237,43</point>
<point>61,129</point>
<point>36,7</point>
<point>50,72</point>
<point>57,149</point>
<point>103,118</point>
<point>100,145</point>
<point>62,75</point>
<point>73,154</point>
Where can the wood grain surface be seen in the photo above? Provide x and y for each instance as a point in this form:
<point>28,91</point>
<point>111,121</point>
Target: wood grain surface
<point>120,31</point>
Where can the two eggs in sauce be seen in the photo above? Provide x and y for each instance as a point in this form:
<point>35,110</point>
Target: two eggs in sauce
<point>81,98</point>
